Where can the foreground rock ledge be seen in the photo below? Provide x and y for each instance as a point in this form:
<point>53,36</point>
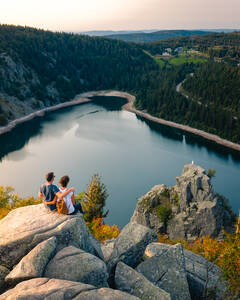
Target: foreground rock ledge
<point>77,265</point>
<point>24,228</point>
<point>49,289</point>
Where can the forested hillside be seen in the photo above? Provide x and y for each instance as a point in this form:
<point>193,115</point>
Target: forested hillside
<point>54,67</point>
<point>41,68</point>
<point>142,37</point>
<point>216,84</point>
<point>213,91</point>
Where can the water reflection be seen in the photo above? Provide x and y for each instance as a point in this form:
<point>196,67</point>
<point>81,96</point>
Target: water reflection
<point>20,136</point>
<point>163,130</point>
<point>109,103</point>
<point>192,140</point>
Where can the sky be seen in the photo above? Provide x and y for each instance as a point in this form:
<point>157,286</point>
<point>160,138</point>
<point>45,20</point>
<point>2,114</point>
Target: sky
<point>83,15</point>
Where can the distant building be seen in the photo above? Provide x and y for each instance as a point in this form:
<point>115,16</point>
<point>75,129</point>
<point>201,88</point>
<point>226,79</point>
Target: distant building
<point>169,50</point>
<point>165,54</point>
<point>193,51</point>
<point>179,49</point>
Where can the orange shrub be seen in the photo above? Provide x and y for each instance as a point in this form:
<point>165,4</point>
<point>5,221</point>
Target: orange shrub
<point>102,231</point>
<point>9,200</point>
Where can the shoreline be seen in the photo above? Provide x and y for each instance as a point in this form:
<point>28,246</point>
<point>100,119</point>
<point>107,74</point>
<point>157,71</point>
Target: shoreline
<point>84,98</point>
<point>40,113</point>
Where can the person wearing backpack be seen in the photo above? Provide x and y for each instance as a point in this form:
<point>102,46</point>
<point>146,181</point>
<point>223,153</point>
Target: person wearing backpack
<point>69,199</point>
<point>50,192</point>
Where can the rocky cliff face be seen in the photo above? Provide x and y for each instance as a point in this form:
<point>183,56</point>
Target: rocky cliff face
<point>45,255</point>
<point>188,210</point>
<point>21,91</point>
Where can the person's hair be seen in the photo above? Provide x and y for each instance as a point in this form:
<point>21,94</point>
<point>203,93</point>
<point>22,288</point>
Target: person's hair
<point>64,180</point>
<point>49,176</point>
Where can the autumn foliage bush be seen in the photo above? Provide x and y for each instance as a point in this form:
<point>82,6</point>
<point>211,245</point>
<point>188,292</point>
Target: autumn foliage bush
<point>10,200</point>
<point>225,254</point>
<point>103,231</point>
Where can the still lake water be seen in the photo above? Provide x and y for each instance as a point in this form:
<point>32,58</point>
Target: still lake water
<point>130,154</point>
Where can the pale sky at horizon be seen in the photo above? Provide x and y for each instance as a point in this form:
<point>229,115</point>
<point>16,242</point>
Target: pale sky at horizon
<point>78,15</point>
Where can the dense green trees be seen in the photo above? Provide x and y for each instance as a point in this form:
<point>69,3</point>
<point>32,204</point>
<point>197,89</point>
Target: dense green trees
<point>218,118</point>
<point>69,62</point>
<point>217,84</point>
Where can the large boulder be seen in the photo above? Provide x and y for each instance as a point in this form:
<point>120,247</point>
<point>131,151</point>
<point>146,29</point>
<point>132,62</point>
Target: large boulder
<point>50,289</point>
<point>202,275</point>
<point>167,271</point>
<point>24,228</point>
<point>188,210</point>
<point>33,264</point>
<point>45,288</point>
<point>75,264</point>
<point>134,283</point>
<point>130,245</point>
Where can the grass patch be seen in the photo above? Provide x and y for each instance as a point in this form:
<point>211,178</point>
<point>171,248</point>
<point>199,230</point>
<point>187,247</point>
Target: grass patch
<point>160,62</point>
<point>187,59</point>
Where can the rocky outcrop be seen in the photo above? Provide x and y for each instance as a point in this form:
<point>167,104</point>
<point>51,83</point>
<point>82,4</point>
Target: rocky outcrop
<point>48,289</point>
<point>24,228</point>
<point>188,210</point>
<point>33,264</point>
<point>66,261</point>
<point>74,264</point>
<point>18,82</point>
<point>63,257</point>
<point>167,271</point>
<point>202,275</point>
<point>134,283</point>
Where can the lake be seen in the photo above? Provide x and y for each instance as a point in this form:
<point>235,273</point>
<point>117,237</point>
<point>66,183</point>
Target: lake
<point>130,154</point>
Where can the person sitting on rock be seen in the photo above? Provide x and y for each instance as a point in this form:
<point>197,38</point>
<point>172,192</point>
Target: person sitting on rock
<point>50,192</point>
<point>69,199</point>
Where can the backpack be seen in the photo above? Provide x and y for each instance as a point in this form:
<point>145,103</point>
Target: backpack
<point>61,206</point>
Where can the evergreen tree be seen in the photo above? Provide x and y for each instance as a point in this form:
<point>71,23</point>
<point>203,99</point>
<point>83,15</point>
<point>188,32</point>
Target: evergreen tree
<point>95,199</point>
